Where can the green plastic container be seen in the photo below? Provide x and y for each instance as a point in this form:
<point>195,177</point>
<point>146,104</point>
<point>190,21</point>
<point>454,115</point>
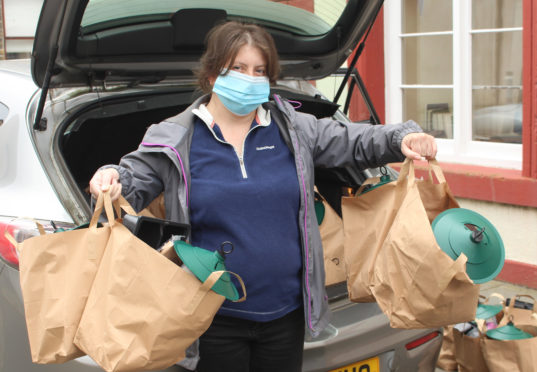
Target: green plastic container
<point>508,332</point>
<point>202,262</point>
<point>487,311</point>
<point>460,230</point>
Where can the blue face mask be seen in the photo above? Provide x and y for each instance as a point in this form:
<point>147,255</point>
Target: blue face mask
<point>241,93</point>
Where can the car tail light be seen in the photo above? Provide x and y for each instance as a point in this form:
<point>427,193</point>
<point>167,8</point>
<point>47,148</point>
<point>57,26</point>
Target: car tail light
<point>20,229</point>
<point>422,340</point>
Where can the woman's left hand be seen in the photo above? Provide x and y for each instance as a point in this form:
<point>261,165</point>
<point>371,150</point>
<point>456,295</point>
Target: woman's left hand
<point>418,145</point>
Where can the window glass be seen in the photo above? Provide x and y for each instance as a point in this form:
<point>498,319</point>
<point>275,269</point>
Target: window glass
<point>496,13</point>
<point>4,110</point>
<point>497,72</point>
<point>427,65</point>
<point>472,95</point>
<point>426,15</point>
<point>497,59</point>
<point>431,108</point>
<point>501,122</point>
<point>428,59</point>
<point>286,15</point>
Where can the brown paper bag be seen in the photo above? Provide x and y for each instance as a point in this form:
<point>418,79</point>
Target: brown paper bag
<point>366,219</point>
<point>446,359</point>
<point>368,216</point>
<point>520,316</point>
<point>415,283</point>
<point>512,355</point>
<point>468,353</point>
<point>155,209</point>
<point>143,310</point>
<point>169,252</point>
<point>56,274</point>
<point>331,229</point>
<point>436,197</point>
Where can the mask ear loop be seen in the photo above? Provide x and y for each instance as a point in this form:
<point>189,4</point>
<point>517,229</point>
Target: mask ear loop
<point>296,104</point>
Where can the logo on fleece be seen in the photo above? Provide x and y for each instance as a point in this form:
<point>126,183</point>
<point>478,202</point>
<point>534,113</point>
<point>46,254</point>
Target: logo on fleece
<point>262,148</point>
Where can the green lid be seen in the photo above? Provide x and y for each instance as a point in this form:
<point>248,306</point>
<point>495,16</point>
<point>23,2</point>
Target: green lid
<point>460,230</point>
<point>487,311</point>
<point>202,262</point>
<point>508,332</point>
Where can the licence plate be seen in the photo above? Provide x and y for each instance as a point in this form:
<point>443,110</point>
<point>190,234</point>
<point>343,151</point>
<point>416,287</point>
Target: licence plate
<point>369,365</point>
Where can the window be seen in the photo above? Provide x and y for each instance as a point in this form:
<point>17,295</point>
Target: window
<point>455,66</point>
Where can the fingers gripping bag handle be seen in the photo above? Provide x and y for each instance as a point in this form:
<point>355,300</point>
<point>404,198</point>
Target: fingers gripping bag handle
<point>103,202</point>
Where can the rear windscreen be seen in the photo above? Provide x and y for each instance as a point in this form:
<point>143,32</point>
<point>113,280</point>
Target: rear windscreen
<point>299,17</point>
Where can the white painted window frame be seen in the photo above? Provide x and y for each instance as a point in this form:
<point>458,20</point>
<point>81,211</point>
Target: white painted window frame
<point>461,149</point>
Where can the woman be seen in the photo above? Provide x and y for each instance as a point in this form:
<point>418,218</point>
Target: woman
<point>240,169</point>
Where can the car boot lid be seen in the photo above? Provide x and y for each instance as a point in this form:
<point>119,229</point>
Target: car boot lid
<point>94,42</point>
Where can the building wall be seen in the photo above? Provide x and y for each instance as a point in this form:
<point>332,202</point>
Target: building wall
<point>20,22</point>
<point>2,36</point>
<point>516,225</point>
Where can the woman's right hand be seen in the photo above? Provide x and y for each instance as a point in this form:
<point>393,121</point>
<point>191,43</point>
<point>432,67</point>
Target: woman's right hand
<point>105,180</point>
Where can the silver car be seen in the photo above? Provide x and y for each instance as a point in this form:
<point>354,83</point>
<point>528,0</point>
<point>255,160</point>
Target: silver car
<point>101,72</point>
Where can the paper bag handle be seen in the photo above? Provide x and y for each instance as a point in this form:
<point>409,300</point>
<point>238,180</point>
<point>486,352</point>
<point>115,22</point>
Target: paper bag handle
<point>243,287</point>
<point>407,172</point>
<point>512,304</point>
<point>103,200</point>
<point>458,265</point>
<point>481,326</point>
<point>497,295</point>
<point>208,284</point>
<point>435,168</point>
<point>13,241</point>
<point>122,203</point>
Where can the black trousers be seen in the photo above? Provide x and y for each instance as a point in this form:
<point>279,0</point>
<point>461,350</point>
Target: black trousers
<point>238,345</point>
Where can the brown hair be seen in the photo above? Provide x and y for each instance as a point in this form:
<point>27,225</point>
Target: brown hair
<point>223,44</point>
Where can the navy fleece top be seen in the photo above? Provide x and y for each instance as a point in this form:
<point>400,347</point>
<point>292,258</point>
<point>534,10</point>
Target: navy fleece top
<point>253,202</point>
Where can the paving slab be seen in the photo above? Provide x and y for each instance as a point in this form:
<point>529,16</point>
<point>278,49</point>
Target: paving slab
<point>506,289</point>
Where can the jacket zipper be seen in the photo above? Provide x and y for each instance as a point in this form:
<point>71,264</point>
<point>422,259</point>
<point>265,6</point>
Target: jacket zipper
<point>241,163</point>
<point>298,157</point>
<point>306,245</point>
<point>242,166</point>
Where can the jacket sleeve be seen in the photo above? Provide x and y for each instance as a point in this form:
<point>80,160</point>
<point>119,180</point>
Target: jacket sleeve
<point>336,144</point>
<point>140,177</point>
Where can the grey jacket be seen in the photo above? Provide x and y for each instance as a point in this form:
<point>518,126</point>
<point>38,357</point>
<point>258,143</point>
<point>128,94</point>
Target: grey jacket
<point>161,164</point>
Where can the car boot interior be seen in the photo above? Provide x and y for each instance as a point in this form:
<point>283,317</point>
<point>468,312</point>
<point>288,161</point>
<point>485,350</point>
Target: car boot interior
<point>108,130</point>
<point>104,131</point>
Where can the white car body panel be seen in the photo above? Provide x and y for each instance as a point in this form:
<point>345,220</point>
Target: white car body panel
<point>18,184</point>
